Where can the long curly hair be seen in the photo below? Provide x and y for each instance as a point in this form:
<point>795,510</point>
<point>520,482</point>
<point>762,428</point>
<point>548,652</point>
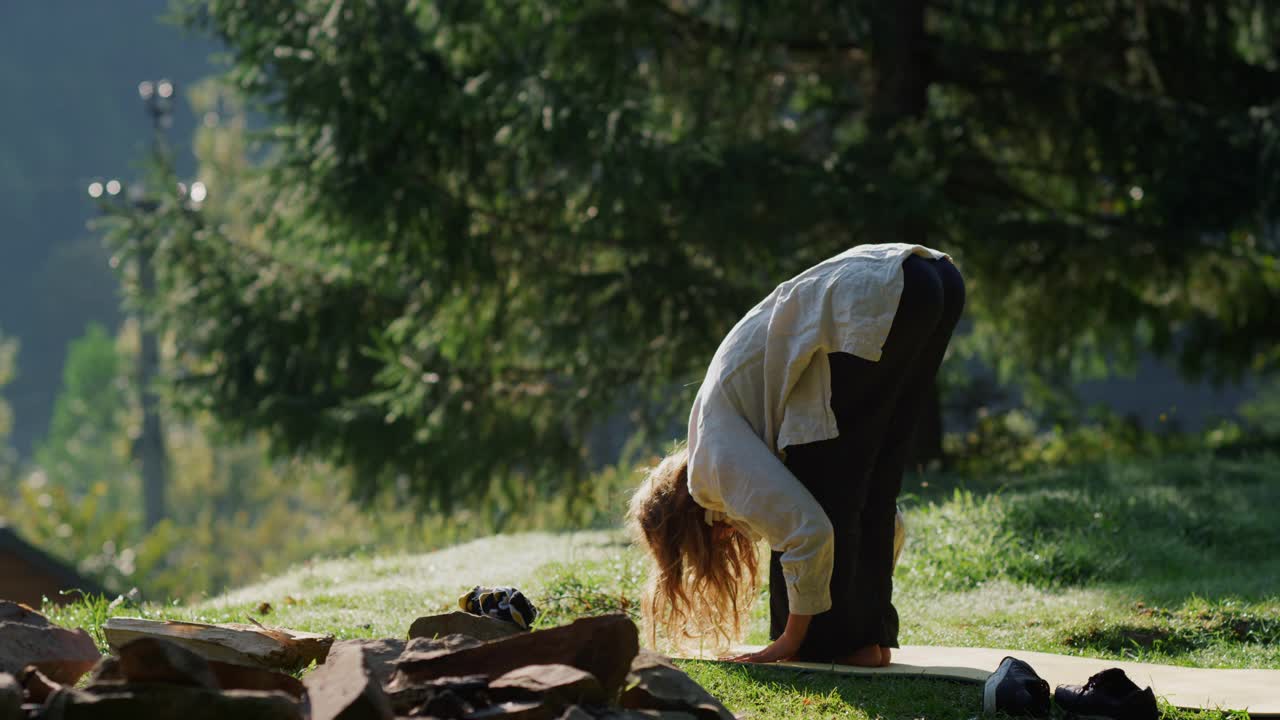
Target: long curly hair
<point>704,577</point>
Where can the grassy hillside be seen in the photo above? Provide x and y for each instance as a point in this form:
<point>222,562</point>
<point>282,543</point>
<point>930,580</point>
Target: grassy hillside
<point>1156,561</point>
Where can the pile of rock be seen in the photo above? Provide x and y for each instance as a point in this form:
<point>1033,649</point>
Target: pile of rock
<point>480,669</point>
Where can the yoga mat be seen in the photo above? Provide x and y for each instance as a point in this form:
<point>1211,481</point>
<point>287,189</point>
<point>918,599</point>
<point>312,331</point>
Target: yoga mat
<point>1257,691</point>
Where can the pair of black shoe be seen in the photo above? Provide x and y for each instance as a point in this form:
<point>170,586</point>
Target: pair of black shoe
<point>1015,689</point>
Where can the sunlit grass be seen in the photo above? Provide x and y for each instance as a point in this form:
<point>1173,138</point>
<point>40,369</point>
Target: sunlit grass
<point>784,694</point>
<point>374,596</point>
<point>1157,561</point>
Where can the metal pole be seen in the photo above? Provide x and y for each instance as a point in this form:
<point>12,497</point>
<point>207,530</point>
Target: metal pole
<point>154,457</point>
<point>152,453</point>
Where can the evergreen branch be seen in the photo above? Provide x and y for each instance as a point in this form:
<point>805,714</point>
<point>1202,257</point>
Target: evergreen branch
<point>1032,67</point>
<point>704,29</point>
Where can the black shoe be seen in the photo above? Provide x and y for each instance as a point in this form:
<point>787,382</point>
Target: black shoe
<point>503,603</point>
<point>1109,694</point>
<point>1015,689</point>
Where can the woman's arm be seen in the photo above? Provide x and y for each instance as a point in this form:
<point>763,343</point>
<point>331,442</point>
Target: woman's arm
<point>752,485</point>
<point>787,644</point>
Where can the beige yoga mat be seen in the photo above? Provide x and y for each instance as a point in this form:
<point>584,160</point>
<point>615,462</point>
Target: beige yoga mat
<point>1257,691</point>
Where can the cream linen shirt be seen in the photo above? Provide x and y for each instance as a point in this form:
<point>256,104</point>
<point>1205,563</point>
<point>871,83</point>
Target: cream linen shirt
<point>769,386</point>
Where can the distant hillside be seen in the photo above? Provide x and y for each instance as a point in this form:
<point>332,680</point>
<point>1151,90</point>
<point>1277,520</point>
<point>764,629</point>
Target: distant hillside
<point>68,77</point>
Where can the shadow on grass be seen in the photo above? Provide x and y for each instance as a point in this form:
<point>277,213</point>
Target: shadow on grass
<point>1167,529</point>
<point>1182,631</point>
<point>760,692</point>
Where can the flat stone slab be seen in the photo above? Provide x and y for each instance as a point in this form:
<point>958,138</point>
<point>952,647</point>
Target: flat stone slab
<point>242,677</point>
<point>171,701</point>
<point>603,646</point>
<point>656,684</point>
<point>272,648</point>
<point>153,660</point>
<point>479,627</point>
<point>36,686</point>
<point>513,710</point>
<point>346,688</point>
<point>1183,687</point>
<point>28,638</point>
<point>10,698</point>
<point>558,685</point>
<point>380,654</point>
<point>419,648</point>
<point>470,689</point>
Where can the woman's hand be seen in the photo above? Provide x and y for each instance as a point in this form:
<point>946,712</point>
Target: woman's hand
<point>785,647</point>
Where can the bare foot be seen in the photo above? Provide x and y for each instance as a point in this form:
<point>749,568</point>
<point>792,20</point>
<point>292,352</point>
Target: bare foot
<point>868,656</point>
<point>885,655</point>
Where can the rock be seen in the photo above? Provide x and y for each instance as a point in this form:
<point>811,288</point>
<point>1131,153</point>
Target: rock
<point>656,684</point>
<point>557,685</point>
<point>513,710</point>
<point>473,689</point>
<point>106,672</point>
<point>603,646</point>
<point>420,648</point>
<point>21,613</point>
<point>28,638</point>
<point>171,701</point>
<point>479,627</point>
<point>446,703</point>
<point>628,714</point>
<point>10,698</point>
<point>107,677</point>
<point>578,712</point>
<point>380,654</point>
<point>243,677</point>
<point>408,696</point>
<point>36,687</point>
<point>253,645</point>
<point>346,687</point>
<point>155,660</point>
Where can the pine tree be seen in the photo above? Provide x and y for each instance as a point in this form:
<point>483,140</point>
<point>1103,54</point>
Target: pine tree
<point>88,437</point>
<point>480,226</point>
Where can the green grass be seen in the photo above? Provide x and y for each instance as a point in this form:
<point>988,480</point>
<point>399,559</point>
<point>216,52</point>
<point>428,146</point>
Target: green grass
<point>1159,561</point>
<point>783,694</point>
<point>1162,561</point>
<point>377,596</point>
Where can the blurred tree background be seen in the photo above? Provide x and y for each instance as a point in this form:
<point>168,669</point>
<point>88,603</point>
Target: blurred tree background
<point>68,72</point>
<point>234,513</point>
<point>459,237</point>
<point>7,350</point>
<point>483,225</point>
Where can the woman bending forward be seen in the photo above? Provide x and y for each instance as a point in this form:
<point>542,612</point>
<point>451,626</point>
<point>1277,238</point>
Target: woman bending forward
<point>799,435</point>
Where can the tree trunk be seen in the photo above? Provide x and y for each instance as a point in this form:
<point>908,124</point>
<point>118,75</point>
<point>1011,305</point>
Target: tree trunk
<point>900,62</point>
<point>900,58</point>
<point>154,458</point>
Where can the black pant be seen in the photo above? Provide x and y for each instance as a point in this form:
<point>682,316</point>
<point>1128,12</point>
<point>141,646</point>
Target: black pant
<point>857,475</point>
